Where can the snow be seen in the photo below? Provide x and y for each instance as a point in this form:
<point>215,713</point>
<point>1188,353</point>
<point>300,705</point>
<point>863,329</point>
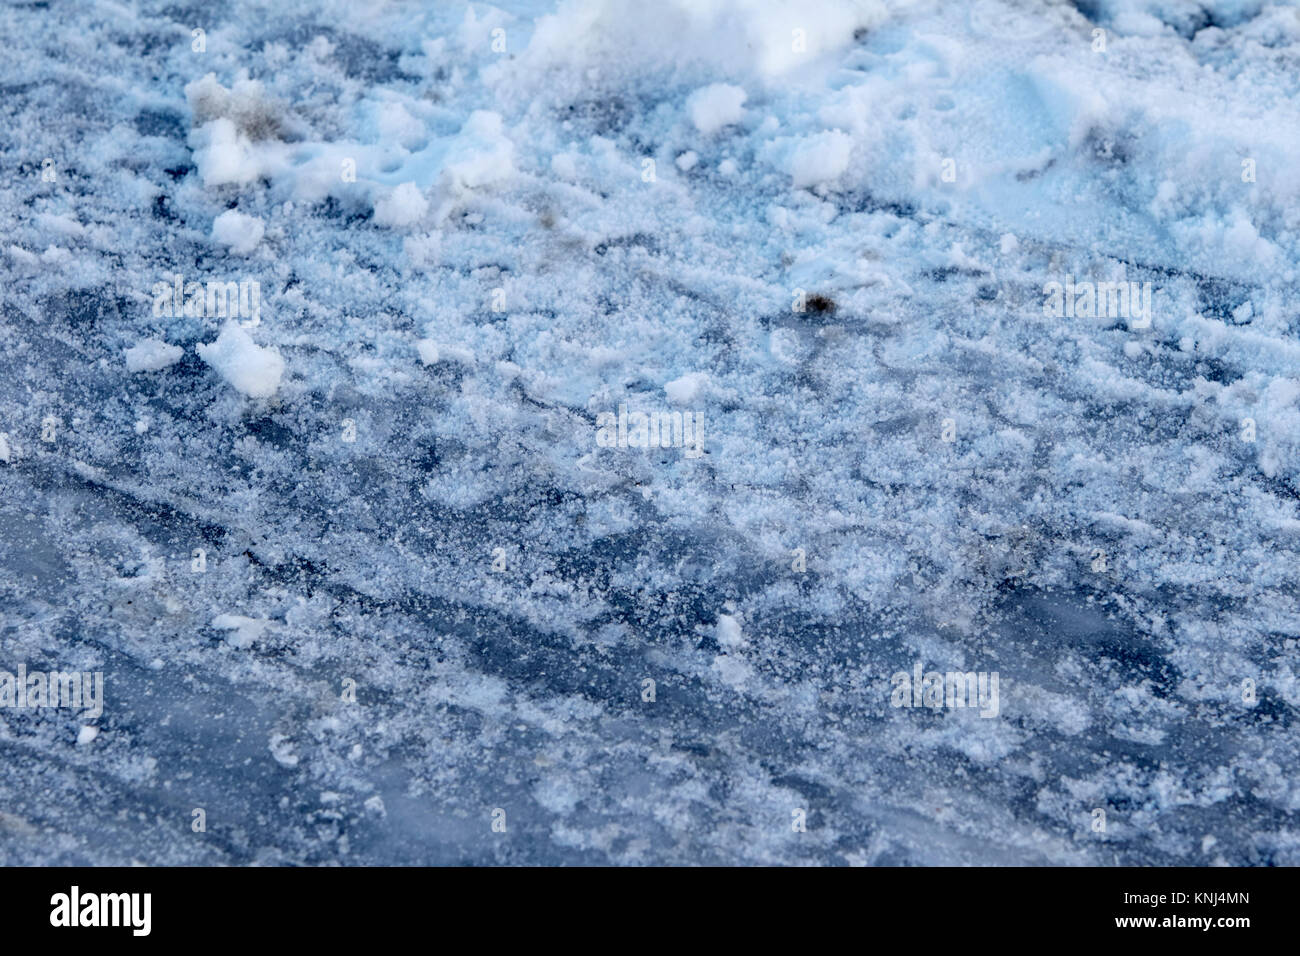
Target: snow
<point>404,206</point>
<point>248,367</point>
<point>237,232</point>
<point>826,226</point>
<point>728,633</point>
<point>481,154</point>
<point>152,355</point>
<point>715,106</point>
<point>820,158</point>
<point>235,135</point>
<point>684,390</point>
<point>242,631</point>
<point>428,351</point>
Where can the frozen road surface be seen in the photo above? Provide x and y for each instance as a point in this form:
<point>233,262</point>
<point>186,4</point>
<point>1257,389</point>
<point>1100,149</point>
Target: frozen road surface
<point>692,432</point>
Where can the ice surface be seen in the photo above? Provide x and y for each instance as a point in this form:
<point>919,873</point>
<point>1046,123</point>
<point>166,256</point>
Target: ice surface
<point>358,574</point>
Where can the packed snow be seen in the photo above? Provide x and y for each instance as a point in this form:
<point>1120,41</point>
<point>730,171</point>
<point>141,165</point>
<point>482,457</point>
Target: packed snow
<point>362,540</point>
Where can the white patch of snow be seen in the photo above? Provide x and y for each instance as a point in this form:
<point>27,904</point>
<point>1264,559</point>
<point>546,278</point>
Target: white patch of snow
<point>250,368</point>
<point>151,355</point>
<point>238,232</point>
